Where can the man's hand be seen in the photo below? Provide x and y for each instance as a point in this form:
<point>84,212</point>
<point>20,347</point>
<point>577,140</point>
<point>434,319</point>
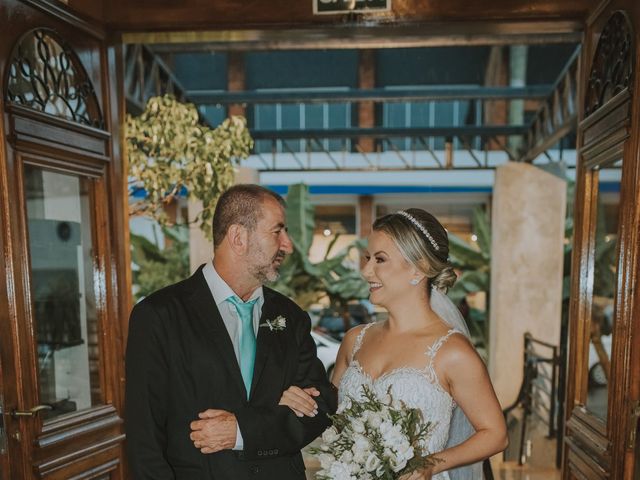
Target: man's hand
<point>216,430</point>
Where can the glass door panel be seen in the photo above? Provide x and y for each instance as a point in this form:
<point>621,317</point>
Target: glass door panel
<point>59,222</point>
<point>604,287</point>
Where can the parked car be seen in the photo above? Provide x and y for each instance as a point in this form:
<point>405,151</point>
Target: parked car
<point>334,325</point>
<point>327,350</point>
<point>597,377</point>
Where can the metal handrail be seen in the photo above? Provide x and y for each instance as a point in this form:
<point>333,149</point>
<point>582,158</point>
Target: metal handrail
<point>538,386</point>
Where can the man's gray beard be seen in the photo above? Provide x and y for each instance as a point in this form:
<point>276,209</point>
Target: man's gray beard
<point>265,273</point>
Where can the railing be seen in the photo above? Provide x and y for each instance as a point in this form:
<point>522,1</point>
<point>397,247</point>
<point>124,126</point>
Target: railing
<point>309,150</point>
<point>146,75</point>
<point>540,393</point>
<point>557,117</point>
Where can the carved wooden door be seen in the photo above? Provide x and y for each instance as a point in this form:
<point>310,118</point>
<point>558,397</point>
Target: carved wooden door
<point>604,364</point>
<point>60,335</point>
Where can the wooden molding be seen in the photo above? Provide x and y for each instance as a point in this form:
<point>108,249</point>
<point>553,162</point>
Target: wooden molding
<point>60,11</point>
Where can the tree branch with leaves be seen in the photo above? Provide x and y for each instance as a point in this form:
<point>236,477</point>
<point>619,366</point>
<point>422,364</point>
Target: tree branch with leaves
<point>172,153</point>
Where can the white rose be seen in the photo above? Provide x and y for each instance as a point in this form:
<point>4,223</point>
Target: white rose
<point>326,460</point>
<point>340,471</point>
<point>330,435</point>
<point>372,463</point>
<point>359,455</point>
<point>406,452</point>
<point>344,405</point>
<point>374,420</point>
<point>400,457</point>
<point>346,457</point>
<point>357,426</point>
<point>360,442</point>
<point>385,427</point>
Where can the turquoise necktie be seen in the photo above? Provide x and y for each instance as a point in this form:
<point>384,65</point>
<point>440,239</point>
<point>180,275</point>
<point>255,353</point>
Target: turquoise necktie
<point>247,339</point>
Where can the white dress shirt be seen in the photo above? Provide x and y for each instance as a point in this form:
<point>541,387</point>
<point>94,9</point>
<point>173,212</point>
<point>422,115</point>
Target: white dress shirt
<point>221,291</point>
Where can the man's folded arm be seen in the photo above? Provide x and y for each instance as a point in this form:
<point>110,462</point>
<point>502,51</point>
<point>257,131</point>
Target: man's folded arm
<point>273,431</point>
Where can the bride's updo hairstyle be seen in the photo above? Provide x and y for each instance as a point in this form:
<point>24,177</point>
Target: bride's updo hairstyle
<point>423,241</point>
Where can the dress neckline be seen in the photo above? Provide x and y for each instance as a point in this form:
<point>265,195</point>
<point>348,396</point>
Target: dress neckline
<point>427,372</point>
<point>422,372</point>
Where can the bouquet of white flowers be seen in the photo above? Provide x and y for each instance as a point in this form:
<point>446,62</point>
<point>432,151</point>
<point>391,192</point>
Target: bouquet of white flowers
<point>373,438</point>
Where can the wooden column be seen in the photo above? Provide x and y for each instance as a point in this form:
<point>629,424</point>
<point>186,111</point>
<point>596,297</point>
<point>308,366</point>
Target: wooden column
<point>366,215</point>
<point>496,112</point>
<point>235,80</point>
<point>366,110</point>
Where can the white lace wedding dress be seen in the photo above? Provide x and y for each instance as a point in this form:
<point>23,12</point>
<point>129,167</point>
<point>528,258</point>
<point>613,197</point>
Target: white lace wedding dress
<point>417,388</point>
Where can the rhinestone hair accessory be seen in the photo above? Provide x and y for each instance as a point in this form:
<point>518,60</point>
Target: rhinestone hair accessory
<point>420,227</point>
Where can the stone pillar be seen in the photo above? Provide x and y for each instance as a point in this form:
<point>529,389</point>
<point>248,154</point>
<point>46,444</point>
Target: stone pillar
<point>526,269</point>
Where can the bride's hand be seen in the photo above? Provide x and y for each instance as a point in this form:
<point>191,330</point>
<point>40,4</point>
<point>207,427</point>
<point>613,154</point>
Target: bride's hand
<point>300,400</point>
<point>419,475</point>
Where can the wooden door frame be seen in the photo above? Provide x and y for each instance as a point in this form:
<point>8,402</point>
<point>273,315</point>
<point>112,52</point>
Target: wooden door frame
<point>592,447</point>
<point>90,151</point>
<point>100,425</point>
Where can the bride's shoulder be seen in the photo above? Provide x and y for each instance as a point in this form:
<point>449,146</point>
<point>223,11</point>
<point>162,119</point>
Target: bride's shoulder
<point>457,349</point>
<point>351,337</point>
<point>353,333</point>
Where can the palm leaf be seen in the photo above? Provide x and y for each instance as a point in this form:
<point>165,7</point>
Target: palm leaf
<point>300,215</point>
<point>482,229</point>
<point>462,255</point>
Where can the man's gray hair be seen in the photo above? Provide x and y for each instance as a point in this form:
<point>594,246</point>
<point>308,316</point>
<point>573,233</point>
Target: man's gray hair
<point>240,205</point>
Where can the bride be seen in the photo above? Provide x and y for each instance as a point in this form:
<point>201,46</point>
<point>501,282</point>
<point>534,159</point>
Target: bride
<point>421,351</point>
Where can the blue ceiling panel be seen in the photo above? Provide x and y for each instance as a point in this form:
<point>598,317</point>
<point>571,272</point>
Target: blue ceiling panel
<point>301,69</point>
<point>201,71</point>
<point>431,66</point>
<point>545,62</point>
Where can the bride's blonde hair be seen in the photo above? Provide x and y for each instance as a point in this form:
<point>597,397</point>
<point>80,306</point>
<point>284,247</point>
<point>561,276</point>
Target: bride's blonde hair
<point>423,241</point>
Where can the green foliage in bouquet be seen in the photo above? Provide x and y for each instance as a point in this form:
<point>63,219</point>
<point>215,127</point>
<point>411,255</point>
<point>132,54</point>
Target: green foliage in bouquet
<point>307,282</point>
<point>170,152</point>
<point>374,438</point>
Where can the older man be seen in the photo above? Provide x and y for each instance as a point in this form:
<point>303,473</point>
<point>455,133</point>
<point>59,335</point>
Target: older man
<point>209,358</point>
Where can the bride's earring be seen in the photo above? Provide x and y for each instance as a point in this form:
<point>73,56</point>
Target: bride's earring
<point>414,281</point>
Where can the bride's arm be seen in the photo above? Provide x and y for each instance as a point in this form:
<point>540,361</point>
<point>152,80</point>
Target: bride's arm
<point>344,354</point>
<point>301,400</point>
<point>468,380</point>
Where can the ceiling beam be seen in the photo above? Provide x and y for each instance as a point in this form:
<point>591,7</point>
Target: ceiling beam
<point>215,97</point>
<point>340,37</point>
<point>386,132</point>
<point>189,15</point>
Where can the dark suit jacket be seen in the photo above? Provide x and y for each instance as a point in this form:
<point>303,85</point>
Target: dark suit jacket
<point>180,361</point>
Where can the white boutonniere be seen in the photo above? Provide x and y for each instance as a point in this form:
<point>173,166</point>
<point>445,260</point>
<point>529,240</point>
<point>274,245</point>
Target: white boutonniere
<point>276,325</point>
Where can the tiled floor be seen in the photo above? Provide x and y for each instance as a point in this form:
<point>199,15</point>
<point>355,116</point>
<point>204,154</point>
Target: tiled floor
<point>526,472</point>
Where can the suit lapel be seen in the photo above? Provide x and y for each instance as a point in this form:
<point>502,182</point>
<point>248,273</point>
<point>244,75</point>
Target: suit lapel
<point>206,313</point>
<point>266,339</point>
